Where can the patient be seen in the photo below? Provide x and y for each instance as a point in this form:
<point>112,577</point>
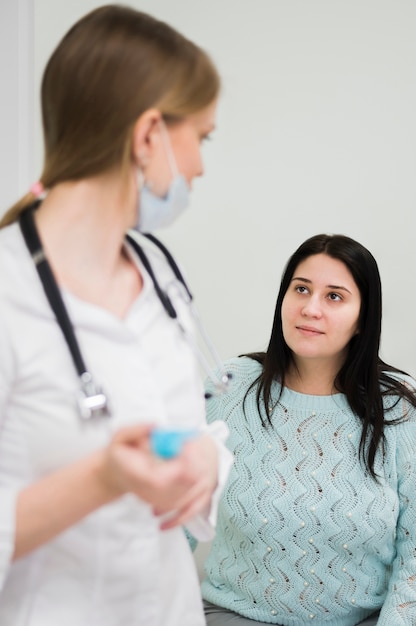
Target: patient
<point>317,524</point>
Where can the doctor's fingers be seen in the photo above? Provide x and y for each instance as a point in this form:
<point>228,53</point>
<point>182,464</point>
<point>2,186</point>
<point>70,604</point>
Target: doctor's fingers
<point>197,496</point>
<point>197,500</point>
<point>135,436</point>
<point>166,485</point>
<point>200,457</point>
<point>170,486</point>
<point>132,469</point>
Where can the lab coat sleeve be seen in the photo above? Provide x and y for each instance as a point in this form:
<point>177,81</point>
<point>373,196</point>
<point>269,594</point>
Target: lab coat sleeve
<point>8,494</point>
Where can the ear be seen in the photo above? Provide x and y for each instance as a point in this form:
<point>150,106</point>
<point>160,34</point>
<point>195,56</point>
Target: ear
<point>144,131</point>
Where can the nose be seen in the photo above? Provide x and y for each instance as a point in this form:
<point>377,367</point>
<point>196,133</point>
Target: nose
<point>312,308</point>
<point>199,166</point>
<point>195,170</point>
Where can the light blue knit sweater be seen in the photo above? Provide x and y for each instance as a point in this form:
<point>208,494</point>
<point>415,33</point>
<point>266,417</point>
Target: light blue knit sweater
<point>304,534</point>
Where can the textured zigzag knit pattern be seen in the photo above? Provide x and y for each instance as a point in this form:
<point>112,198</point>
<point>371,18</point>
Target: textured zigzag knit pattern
<point>304,534</point>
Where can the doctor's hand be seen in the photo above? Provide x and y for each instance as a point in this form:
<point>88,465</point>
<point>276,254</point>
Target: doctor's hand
<point>199,460</point>
<point>180,487</point>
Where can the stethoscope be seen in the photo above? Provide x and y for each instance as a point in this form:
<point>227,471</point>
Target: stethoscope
<point>91,399</point>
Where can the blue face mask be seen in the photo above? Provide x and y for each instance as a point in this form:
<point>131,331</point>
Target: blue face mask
<point>156,212</point>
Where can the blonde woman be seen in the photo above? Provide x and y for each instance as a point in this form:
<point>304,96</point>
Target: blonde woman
<point>90,516</point>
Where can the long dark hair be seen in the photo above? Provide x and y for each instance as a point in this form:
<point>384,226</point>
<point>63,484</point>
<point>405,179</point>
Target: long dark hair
<point>364,378</point>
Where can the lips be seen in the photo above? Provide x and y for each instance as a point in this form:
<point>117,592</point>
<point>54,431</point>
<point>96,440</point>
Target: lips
<point>309,330</point>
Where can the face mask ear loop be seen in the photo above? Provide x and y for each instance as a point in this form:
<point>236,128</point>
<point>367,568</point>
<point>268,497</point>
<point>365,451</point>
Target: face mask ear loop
<point>168,149</point>
<point>140,179</point>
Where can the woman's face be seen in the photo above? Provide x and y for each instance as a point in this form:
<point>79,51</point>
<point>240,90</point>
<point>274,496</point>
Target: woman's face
<point>320,311</point>
<point>185,138</point>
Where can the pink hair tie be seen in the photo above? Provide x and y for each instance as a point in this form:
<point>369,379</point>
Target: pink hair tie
<point>38,189</point>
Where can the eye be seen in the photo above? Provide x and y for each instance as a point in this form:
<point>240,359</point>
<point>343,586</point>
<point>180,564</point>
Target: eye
<point>207,137</point>
<point>335,297</point>
<point>301,289</point>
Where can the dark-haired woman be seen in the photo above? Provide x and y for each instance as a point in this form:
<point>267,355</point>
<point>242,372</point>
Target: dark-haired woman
<point>317,523</point>
<point>90,519</point>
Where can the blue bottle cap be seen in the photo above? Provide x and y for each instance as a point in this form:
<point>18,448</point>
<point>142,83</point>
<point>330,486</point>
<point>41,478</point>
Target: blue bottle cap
<point>167,443</point>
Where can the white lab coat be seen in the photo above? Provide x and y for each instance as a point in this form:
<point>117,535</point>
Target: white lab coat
<point>114,568</point>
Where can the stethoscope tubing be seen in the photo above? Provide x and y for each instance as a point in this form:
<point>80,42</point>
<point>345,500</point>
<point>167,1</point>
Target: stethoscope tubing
<point>92,401</point>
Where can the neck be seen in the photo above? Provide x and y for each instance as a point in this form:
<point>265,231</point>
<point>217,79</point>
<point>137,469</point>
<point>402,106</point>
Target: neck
<point>313,378</point>
<point>82,226</point>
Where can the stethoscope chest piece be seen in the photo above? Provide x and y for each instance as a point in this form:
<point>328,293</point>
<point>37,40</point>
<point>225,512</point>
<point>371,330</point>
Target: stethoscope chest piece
<point>92,401</point>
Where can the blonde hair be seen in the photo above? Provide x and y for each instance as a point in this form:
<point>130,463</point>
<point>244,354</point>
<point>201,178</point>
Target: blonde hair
<point>110,67</point>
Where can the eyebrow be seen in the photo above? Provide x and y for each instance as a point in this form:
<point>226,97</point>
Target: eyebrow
<point>306,280</point>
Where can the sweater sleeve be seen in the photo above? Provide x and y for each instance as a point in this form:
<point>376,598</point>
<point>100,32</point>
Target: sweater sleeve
<point>400,605</point>
<point>8,494</point>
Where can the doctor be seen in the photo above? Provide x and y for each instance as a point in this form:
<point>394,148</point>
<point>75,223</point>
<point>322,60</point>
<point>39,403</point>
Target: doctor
<point>90,518</point>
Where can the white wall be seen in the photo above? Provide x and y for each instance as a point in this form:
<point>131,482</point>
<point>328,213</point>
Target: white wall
<point>316,132</point>
<point>16,102</point>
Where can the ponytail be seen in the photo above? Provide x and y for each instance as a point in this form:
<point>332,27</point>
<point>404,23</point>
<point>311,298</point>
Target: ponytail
<point>36,192</point>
